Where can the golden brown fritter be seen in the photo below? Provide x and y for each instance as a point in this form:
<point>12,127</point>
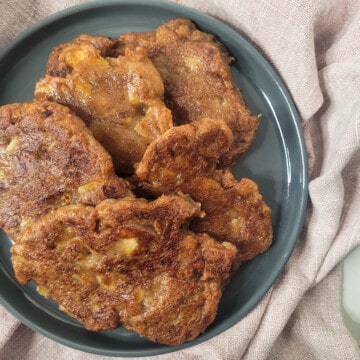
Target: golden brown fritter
<point>119,98</point>
<point>128,262</point>
<point>182,154</point>
<point>235,212</point>
<point>197,78</point>
<point>48,159</point>
<point>184,159</point>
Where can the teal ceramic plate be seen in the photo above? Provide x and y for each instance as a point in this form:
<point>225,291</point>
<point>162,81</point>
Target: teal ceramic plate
<point>276,161</point>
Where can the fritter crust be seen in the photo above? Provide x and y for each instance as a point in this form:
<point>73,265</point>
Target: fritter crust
<point>119,98</point>
<point>198,81</point>
<point>185,159</point>
<point>235,212</point>
<point>48,159</point>
<point>128,262</point>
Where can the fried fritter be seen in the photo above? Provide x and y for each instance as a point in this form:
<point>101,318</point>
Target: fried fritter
<point>235,212</point>
<point>119,98</point>
<point>128,262</point>
<point>48,159</point>
<point>184,159</point>
<point>182,154</point>
<point>198,81</point>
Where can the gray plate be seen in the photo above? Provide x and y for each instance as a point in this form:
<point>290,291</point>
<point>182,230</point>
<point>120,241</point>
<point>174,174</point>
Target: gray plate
<point>276,161</point>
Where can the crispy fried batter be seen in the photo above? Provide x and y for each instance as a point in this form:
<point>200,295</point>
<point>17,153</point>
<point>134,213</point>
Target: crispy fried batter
<point>120,98</point>
<point>48,158</point>
<point>184,159</point>
<point>110,259</point>
<point>235,212</point>
<point>128,262</point>
<point>182,154</point>
<point>197,78</point>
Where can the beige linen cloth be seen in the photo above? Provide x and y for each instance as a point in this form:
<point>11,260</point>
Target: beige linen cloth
<point>315,47</point>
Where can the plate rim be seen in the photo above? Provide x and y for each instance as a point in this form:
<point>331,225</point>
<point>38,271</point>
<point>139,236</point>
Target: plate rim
<point>281,86</point>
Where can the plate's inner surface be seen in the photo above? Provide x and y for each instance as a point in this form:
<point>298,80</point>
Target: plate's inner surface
<point>275,162</point>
